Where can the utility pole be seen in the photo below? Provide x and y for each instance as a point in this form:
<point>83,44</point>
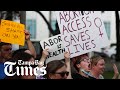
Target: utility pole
<point>117,36</point>
<point>9,15</point>
<point>50,15</point>
<point>23,17</point>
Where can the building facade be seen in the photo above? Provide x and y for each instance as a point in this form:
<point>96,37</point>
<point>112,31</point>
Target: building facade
<point>39,29</point>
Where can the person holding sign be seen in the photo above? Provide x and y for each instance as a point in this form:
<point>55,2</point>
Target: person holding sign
<point>5,56</point>
<point>31,49</point>
<point>59,69</point>
<point>29,43</point>
<point>56,69</point>
<point>6,52</point>
<point>21,70</point>
<point>42,62</point>
<point>27,67</point>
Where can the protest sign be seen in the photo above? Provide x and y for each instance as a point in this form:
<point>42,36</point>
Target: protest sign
<point>55,48</point>
<point>12,32</point>
<point>82,31</point>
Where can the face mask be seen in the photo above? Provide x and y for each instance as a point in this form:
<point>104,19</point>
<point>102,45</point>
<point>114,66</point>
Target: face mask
<point>85,72</point>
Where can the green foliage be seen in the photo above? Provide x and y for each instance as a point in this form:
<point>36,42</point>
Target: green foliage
<point>108,74</point>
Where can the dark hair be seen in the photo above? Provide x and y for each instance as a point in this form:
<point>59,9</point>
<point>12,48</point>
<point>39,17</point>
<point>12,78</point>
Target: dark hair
<point>53,66</point>
<point>3,43</point>
<point>95,59</point>
<point>22,56</point>
<point>77,60</point>
<point>18,51</point>
<point>19,56</point>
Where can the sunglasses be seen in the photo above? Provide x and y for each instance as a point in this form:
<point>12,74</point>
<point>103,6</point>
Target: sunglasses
<point>62,74</point>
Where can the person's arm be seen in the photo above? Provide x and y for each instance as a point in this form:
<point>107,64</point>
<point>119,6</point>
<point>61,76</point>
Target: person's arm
<point>29,43</point>
<point>43,58</point>
<point>67,61</point>
<point>116,72</point>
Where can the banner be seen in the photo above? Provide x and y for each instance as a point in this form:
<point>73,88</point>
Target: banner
<point>82,31</point>
<point>55,46</point>
<point>12,32</point>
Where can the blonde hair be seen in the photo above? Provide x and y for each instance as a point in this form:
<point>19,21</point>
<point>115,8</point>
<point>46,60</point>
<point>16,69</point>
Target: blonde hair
<point>95,59</point>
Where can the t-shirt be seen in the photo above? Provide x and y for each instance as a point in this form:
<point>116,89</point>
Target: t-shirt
<point>39,76</point>
<point>2,74</point>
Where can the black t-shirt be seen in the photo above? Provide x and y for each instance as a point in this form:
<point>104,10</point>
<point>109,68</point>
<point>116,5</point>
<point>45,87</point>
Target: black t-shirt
<point>78,76</point>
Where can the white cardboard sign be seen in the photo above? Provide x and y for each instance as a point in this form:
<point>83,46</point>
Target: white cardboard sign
<point>55,46</point>
<point>82,31</point>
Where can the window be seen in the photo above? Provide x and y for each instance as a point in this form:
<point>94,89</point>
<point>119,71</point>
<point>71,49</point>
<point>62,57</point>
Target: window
<point>31,26</point>
<point>107,27</point>
<point>53,24</point>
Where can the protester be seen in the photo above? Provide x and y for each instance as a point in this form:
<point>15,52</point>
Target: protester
<point>56,65</point>
<point>82,65</point>
<point>56,69</point>
<point>25,57</point>
<point>5,55</point>
<point>116,72</point>
<point>98,68</point>
<point>42,62</point>
<point>6,52</point>
<point>31,48</point>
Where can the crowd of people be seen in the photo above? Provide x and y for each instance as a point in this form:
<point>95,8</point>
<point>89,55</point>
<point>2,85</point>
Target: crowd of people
<point>80,67</point>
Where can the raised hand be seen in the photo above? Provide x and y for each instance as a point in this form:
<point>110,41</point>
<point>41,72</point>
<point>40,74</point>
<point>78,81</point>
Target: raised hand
<point>67,61</point>
<point>116,72</point>
<point>43,58</point>
<point>45,53</point>
<point>67,55</point>
<point>27,35</point>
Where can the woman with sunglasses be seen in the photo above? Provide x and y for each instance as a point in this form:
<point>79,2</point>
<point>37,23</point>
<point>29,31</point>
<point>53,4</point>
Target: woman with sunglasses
<point>59,69</point>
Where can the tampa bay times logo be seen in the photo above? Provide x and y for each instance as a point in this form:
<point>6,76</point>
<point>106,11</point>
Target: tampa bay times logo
<point>22,69</point>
